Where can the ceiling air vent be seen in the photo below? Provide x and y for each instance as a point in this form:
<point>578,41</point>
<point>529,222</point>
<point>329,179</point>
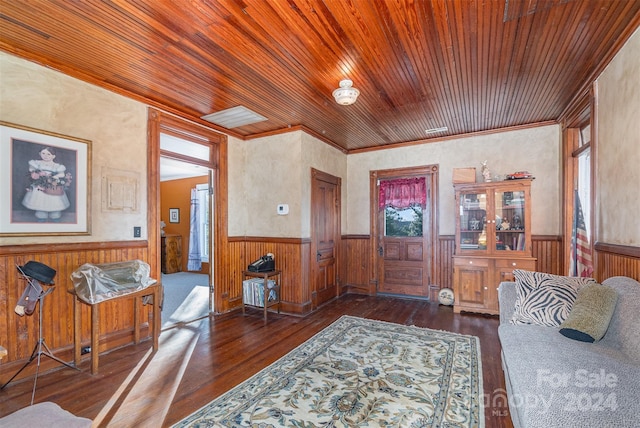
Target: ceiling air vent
<point>234,117</point>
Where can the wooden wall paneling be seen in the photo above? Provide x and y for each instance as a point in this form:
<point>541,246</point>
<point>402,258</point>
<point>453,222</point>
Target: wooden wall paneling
<point>355,266</point>
<point>19,334</point>
<point>616,260</point>
<point>236,262</point>
<point>292,258</point>
<point>444,261</point>
<point>548,252</point>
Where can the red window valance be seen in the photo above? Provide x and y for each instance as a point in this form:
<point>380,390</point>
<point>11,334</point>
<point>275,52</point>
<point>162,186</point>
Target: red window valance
<point>402,193</point>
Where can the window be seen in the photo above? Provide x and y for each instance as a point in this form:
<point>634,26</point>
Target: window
<point>583,185</point>
<point>403,221</point>
<point>580,262</point>
<point>204,204</point>
<point>402,200</point>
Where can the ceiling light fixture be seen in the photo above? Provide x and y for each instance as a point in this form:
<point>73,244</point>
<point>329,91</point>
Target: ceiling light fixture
<point>346,95</point>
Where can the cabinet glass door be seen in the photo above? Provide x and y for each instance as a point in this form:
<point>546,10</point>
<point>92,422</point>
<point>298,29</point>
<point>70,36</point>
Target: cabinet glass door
<point>510,221</point>
<point>473,221</point>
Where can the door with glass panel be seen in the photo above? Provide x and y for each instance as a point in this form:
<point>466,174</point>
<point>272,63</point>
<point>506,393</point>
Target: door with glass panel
<point>405,230</point>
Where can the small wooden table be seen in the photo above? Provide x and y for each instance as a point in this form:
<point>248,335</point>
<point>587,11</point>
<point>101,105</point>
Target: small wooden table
<point>265,282</point>
<point>152,290</point>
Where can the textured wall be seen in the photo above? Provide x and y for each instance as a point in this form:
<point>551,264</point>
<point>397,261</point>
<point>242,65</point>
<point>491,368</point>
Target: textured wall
<point>268,171</point>
<point>536,150</point>
<point>618,148</point>
<point>37,97</point>
<point>319,155</point>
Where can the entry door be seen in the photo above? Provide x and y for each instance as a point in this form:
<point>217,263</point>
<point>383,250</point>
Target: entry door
<point>325,236</point>
<point>405,250</point>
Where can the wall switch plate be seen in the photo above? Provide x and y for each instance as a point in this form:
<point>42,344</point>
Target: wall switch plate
<point>137,231</point>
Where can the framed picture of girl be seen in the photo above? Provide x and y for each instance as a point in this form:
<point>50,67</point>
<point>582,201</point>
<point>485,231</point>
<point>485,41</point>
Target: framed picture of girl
<point>44,182</point>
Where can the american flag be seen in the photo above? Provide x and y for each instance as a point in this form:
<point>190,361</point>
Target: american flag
<point>581,263</point>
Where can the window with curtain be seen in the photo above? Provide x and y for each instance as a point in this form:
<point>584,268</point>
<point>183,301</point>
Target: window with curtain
<point>402,200</point>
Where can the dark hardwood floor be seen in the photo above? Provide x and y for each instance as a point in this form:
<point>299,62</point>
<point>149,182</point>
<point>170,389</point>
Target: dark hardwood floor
<point>201,360</point>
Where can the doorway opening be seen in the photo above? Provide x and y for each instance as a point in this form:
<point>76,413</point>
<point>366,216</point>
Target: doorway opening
<point>175,139</point>
<point>185,212</point>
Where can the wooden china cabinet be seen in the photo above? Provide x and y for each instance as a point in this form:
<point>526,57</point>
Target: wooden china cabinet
<point>493,237</point>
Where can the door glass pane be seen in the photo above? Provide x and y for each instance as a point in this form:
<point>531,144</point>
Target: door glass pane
<point>510,221</point>
<point>403,221</point>
<point>473,218</point>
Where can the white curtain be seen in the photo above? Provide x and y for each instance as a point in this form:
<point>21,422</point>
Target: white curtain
<point>195,258</point>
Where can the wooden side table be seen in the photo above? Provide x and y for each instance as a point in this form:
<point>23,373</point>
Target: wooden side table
<point>152,290</point>
<point>265,283</point>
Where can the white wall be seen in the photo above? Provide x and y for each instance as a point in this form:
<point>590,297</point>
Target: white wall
<point>618,148</point>
<point>536,150</point>
<point>40,98</point>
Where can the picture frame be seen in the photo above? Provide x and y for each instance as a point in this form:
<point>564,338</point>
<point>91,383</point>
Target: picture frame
<point>45,182</point>
<point>174,215</point>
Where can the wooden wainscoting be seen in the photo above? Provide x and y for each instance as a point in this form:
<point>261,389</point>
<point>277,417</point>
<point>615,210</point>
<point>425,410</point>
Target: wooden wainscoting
<point>355,272</point>
<point>547,249</point>
<point>19,334</point>
<point>444,261</point>
<point>359,274</point>
<point>292,258</point>
<point>616,260</point>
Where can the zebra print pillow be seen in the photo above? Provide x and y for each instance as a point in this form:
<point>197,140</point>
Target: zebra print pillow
<point>545,299</point>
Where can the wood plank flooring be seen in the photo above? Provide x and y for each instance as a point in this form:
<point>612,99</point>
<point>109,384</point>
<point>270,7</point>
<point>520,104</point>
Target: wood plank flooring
<point>201,360</point>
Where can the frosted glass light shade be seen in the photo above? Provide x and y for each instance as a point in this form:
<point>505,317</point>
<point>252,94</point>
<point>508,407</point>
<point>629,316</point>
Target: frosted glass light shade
<point>346,94</point>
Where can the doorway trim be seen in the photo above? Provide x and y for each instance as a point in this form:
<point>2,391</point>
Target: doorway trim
<point>163,123</point>
<point>431,174</point>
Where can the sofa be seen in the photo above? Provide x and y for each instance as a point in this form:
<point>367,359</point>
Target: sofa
<point>556,381</point>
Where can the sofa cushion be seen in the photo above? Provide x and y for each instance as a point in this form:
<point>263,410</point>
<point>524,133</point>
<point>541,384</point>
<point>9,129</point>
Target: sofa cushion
<point>591,313</point>
<point>558,382</point>
<point>543,298</point>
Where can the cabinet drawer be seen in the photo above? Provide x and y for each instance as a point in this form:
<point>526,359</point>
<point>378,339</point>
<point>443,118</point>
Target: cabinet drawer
<point>524,264</point>
<point>470,262</point>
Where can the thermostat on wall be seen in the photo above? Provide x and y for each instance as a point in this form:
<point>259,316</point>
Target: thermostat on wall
<point>283,209</point>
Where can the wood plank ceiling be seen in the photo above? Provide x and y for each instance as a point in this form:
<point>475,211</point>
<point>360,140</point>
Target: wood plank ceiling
<point>468,65</point>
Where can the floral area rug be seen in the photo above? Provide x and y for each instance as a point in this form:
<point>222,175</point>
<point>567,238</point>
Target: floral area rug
<point>360,373</point>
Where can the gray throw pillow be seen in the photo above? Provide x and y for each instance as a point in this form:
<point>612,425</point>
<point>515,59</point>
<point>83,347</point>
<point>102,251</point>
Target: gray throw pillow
<point>545,299</point>
<point>591,313</point>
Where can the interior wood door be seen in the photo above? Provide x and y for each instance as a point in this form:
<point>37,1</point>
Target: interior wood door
<point>404,266</point>
<point>325,236</point>
<point>405,263</point>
